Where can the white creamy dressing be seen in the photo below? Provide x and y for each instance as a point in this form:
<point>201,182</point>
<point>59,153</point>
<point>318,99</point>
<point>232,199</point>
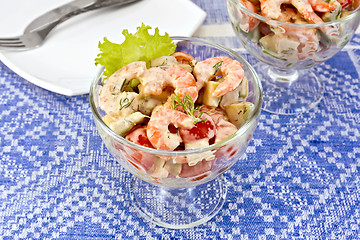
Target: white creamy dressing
<point>121,104</point>
<point>154,80</point>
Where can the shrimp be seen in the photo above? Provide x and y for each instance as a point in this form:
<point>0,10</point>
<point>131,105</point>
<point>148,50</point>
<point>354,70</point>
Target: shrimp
<point>323,6</point>
<point>185,60</point>
<point>177,58</point>
<point>113,86</point>
<point>230,70</point>
<point>158,132</point>
<point>248,23</point>
<point>183,82</point>
<point>182,57</point>
<point>155,81</point>
<point>148,162</point>
<point>307,38</point>
<point>272,9</point>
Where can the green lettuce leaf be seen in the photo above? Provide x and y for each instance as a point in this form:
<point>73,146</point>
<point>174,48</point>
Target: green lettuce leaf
<point>140,46</point>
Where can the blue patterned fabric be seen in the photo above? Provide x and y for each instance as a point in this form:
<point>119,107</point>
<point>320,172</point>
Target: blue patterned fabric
<point>300,177</point>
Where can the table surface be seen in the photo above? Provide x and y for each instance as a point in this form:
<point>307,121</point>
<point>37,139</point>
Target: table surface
<point>299,178</point>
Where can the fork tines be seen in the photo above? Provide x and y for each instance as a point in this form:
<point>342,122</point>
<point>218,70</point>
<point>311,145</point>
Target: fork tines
<point>11,42</point>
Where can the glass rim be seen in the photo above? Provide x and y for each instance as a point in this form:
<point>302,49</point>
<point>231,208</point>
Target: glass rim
<point>301,25</point>
<point>247,125</point>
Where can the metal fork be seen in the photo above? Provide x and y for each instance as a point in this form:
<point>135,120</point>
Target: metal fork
<point>37,31</point>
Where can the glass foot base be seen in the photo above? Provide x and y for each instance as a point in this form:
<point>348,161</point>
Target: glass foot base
<point>289,92</point>
<point>178,208</point>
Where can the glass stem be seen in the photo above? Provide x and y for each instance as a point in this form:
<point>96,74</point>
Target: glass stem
<point>283,75</point>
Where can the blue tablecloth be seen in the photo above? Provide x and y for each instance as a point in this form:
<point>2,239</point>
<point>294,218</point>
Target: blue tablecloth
<point>300,177</point>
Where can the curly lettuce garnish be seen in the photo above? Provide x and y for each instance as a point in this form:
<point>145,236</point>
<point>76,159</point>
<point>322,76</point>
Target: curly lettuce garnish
<point>140,46</point>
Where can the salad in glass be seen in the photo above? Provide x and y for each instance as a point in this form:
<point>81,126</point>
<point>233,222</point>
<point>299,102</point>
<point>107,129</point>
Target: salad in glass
<point>175,103</point>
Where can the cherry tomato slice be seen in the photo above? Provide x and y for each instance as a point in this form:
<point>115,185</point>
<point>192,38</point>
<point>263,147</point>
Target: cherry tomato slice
<point>202,130</point>
<point>138,136</point>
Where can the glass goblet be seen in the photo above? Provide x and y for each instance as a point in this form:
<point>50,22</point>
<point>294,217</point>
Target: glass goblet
<point>197,192</point>
<point>289,48</point>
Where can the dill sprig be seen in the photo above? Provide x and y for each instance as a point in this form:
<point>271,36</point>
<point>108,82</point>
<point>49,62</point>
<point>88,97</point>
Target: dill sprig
<point>188,105</point>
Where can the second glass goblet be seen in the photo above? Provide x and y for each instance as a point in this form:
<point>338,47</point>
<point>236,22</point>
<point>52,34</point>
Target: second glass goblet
<point>288,48</point>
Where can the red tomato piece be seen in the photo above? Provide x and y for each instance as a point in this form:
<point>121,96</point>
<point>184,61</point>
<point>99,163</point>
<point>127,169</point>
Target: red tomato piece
<point>138,136</point>
<point>202,130</point>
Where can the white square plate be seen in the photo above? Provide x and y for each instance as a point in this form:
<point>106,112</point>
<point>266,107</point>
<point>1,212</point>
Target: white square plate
<point>65,62</point>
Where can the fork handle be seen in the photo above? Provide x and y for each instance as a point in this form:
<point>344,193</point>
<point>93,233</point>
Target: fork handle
<point>50,19</point>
